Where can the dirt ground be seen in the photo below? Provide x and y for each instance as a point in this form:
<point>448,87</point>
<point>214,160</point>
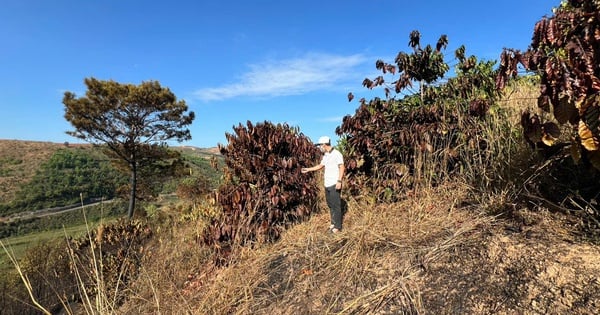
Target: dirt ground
<point>535,263</point>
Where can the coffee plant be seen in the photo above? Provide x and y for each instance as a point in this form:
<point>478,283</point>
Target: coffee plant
<point>264,191</point>
<point>392,144</point>
<point>108,259</point>
<point>565,53</point>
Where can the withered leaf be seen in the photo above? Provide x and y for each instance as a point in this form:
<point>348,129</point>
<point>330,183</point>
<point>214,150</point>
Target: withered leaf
<point>594,158</point>
<point>575,151</point>
<point>565,111</point>
<point>587,138</point>
<point>544,102</point>
<point>550,133</point>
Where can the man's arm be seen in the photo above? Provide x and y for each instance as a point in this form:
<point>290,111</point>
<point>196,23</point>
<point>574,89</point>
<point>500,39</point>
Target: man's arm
<point>312,169</point>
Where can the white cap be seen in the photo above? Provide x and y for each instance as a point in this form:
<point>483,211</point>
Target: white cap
<point>324,140</point>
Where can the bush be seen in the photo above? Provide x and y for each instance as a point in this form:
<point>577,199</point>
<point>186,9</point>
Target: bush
<point>395,145</point>
<point>264,191</point>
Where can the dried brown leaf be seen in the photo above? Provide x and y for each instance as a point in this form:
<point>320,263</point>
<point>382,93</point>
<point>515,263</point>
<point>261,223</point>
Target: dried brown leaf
<point>550,133</point>
<point>587,138</point>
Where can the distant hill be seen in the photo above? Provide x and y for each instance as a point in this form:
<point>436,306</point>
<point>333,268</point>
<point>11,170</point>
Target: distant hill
<point>20,159</point>
<point>203,152</point>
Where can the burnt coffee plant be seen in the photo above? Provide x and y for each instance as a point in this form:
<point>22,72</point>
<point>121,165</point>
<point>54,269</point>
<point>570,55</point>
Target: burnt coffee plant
<point>264,191</point>
<point>565,53</point>
<point>108,259</point>
<point>393,144</point>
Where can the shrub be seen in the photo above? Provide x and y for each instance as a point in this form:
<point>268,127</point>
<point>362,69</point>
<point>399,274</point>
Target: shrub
<point>392,144</point>
<point>264,191</point>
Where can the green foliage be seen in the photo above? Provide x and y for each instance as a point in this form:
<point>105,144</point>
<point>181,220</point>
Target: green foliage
<point>194,188</point>
<point>8,162</point>
<point>132,121</point>
<point>159,166</point>
<point>208,168</point>
<point>60,181</point>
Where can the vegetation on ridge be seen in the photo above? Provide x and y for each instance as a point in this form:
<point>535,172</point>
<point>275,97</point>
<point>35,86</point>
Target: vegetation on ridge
<point>447,214</point>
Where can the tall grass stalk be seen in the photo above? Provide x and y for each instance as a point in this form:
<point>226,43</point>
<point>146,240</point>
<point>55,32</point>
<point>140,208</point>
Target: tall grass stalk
<point>99,302</point>
<point>24,279</point>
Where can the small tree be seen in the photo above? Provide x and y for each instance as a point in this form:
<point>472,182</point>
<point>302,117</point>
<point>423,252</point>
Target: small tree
<point>393,144</point>
<point>129,120</point>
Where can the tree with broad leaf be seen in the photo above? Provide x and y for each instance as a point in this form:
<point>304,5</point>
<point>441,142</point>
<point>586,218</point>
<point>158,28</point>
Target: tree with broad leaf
<point>423,65</point>
<point>130,120</point>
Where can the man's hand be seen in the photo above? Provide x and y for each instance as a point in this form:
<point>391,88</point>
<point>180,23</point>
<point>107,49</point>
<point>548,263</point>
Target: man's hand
<point>304,170</point>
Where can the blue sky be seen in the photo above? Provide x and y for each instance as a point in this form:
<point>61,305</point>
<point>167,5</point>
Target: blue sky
<point>281,61</point>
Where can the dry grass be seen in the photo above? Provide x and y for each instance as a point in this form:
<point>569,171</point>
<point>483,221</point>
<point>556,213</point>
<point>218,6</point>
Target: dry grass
<point>372,267</point>
<point>432,253</point>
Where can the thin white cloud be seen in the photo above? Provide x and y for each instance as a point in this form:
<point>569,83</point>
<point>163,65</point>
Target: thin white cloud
<point>332,119</point>
<point>312,72</point>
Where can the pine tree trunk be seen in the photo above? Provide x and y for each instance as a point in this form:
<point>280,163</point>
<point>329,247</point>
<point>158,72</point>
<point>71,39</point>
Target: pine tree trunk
<point>133,184</point>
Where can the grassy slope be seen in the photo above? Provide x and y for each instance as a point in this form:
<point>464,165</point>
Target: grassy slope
<point>431,254</point>
<point>20,159</point>
<point>19,244</point>
<point>442,251</point>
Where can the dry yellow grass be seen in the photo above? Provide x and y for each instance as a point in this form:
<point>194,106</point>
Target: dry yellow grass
<point>434,253</point>
<point>373,266</point>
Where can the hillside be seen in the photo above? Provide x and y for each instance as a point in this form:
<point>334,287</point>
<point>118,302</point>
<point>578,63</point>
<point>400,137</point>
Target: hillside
<point>20,159</point>
<point>435,253</point>
<point>449,249</point>
<point>452,249</point>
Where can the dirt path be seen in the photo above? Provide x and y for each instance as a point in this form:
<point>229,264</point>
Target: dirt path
<point>48,211</point>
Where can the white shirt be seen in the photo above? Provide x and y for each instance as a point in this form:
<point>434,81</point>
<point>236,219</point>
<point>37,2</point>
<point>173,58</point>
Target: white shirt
<point>332,161</point>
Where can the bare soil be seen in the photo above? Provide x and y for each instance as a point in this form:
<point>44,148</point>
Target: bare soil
<point>539,267</point>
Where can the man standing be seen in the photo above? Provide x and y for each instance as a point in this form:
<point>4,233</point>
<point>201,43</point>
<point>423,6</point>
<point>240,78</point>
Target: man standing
<point>333,162</point>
